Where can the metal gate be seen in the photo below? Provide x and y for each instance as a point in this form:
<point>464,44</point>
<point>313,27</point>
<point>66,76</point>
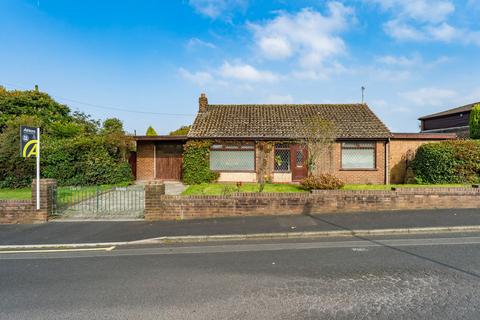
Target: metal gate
<point>99,202</point>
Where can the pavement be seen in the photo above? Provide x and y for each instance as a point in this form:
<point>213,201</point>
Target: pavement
<point>414,277</point>
<point>125,231</point>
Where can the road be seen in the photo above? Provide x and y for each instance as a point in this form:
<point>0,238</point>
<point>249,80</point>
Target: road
<point>416,277</point>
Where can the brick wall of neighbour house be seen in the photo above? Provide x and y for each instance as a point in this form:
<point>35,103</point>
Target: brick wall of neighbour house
<point>145,160</point>
<point>402,151</point>
<point>24,211</point>
<point>161,207</point>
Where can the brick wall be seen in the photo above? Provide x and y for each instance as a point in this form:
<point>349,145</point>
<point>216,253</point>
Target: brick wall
<point>403,148</point>
<point>24,211</point>
<point>145,160</point>
<point>161,207</point>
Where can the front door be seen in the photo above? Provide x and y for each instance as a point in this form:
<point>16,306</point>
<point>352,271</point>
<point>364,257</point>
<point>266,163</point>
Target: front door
<point>298,154</point>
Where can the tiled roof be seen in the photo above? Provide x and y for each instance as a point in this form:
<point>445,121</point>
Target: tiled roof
<point>285,121</point>
<point>465,108</point>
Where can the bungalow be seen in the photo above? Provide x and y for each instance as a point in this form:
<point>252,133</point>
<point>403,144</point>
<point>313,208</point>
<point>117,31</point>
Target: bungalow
<point>254,141</point>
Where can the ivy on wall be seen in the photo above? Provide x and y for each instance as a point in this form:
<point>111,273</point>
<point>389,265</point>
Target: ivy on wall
<point>196,162</point>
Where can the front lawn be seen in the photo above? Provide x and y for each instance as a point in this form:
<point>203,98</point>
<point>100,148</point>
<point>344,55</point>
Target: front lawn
<point>229,188</point>
<point>389,186</point>
<point>63,192</point>
<point>16,194</point>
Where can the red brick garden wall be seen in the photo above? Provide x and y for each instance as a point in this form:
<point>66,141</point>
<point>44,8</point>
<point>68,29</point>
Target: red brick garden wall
<point>162,207</point>
<point>24,211</point>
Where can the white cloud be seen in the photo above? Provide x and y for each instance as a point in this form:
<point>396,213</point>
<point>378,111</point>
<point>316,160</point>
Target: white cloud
<point>245,72</point>
<point>275,47</point>
<point>198,78</point>
<point>430,96</point>
<point>308,34</point>
<point>402,31</point>
<point>217,8</point>
<point>424,20</point>
<point>401,61</point>
<point>195,42</point>
<point>431,11</point>
<point>443,32</point>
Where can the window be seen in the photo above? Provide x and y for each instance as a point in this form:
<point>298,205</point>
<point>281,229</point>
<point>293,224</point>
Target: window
<point>358,155</point>
<point>232,157</point>
<point>282,158</point>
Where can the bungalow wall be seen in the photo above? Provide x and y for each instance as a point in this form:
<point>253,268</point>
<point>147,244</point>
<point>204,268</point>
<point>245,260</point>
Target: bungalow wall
<point>330,162</point>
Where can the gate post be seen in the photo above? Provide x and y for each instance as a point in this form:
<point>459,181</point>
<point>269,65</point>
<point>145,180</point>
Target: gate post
<point>47,198</point>
<point>153,192</point>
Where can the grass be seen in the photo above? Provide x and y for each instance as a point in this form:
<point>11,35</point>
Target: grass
<point>16,194</point>
<point>26,193</point>
<point>229,188</point>
<point>389,186</point>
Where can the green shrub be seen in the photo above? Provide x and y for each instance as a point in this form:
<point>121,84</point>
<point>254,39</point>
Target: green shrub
<point>196,163</point>
<point>324,181</point>
<point>447,162</point>
<point>475,122</point>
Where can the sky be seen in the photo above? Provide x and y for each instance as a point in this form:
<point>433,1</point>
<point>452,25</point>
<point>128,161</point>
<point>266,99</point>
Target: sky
<point>146,62</point>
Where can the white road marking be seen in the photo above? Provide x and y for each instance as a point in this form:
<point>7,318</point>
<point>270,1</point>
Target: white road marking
<point>58,250</point>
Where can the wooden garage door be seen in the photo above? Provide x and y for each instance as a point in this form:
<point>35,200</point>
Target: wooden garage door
<point>169,167</point>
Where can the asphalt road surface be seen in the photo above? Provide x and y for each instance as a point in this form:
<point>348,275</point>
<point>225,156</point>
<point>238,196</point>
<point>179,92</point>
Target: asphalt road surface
<point>416,277</point>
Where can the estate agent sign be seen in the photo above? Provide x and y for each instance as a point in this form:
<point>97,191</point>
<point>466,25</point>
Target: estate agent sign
<point>30,147</point>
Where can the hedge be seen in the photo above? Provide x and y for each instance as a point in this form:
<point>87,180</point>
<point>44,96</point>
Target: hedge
<point>447,162</point>
<point>196,163</point>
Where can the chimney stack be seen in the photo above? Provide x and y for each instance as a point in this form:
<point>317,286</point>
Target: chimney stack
<point>202,103</point>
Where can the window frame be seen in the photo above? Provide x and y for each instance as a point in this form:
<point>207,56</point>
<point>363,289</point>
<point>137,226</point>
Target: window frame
<point>288,147</point>
<point>374,148</point>
<point>236,147</point>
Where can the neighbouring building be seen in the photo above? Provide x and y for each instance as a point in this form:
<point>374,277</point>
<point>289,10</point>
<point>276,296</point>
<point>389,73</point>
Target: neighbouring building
<point>250,141</point>
<point>455,120</point>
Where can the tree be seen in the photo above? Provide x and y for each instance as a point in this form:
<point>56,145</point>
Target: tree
<point>182,131</point>
<point>112,125</point>
<point>76,149</point>
<point>475,122</point>
<point>14,103</point>
<point>319,136</point>
<point>151,131</point>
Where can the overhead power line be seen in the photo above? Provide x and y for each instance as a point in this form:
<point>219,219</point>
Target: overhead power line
<point>101,106</point>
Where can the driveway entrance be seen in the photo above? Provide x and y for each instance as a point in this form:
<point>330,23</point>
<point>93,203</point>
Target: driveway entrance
<point>100,203</point>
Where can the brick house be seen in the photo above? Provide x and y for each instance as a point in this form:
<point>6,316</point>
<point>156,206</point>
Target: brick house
<point>360,153</point>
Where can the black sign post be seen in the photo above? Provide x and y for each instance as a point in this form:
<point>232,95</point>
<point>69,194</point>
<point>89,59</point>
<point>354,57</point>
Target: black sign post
<point>30,146</point>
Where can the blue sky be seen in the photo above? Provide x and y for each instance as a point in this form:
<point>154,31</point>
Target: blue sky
<point>154,58</point>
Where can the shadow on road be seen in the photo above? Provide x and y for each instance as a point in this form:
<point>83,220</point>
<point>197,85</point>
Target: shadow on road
<point>473,274</point>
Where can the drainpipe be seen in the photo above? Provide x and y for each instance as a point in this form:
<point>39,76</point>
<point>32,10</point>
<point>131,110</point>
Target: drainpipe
<point>387,161</point>
<point>154,161</point>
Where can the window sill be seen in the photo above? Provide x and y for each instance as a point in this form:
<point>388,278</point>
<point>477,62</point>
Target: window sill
<point>282,171</point>
<point>359,169</point>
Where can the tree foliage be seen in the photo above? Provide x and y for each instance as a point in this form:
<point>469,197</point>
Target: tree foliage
<point>151,131</point>
<point>76,150</point>
<point>182,131</point>
<point>319,138</point>
<point>475,122</point>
